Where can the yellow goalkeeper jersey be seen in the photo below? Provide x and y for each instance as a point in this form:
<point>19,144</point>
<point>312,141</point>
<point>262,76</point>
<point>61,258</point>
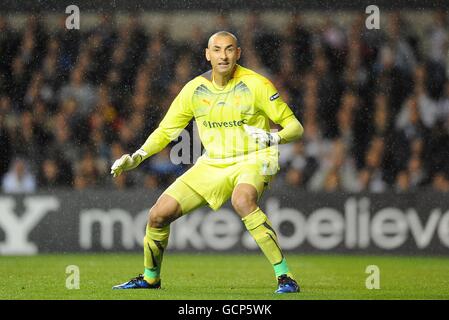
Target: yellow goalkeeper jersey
<point>220,113</point>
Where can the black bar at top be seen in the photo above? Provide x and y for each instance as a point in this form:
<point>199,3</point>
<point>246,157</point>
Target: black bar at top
<point>100,6</point>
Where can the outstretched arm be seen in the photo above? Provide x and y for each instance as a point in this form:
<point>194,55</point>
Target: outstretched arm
<point>178,116</point>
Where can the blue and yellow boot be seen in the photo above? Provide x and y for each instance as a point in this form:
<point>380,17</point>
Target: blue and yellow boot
<point>138,283</point>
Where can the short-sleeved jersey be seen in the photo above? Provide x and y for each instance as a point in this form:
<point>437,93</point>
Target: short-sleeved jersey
<point>220,113</point>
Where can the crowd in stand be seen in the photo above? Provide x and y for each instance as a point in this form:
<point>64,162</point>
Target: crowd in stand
<point>374,103</point>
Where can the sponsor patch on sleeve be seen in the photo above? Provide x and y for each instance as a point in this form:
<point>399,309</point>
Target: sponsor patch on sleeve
<point>274,96</point>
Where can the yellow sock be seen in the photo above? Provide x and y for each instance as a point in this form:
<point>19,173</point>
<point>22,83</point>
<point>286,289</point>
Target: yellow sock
<point>263,233</point>
<point>154,244</point>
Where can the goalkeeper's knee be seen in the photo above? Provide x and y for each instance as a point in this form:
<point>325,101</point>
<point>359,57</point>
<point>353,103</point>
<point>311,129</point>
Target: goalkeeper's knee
<point>165,211</point>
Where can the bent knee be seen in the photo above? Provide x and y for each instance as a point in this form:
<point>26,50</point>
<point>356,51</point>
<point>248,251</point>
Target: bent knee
<point>165,211</point>
<point>244,203</point>
<point>159,218</point>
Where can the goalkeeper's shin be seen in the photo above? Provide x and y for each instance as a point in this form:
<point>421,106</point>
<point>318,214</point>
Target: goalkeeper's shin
<point>155,242</point>
<point>263,233</point>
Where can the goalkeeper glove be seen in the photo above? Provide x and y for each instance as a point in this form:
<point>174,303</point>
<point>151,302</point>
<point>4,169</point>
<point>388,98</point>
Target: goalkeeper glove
<point>262,137</point>
<point>127,162</point>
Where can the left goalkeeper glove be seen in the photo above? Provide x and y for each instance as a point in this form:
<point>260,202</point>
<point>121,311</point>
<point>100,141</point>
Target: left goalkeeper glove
<point>127,162</point>
<point>262,137</point>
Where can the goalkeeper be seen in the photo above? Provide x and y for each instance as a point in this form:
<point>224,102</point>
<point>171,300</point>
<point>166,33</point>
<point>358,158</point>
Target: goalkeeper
<point>232,107</point>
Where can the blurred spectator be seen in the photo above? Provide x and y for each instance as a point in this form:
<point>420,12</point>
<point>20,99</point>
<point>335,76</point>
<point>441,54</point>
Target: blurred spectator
<point>374,103</point>
<point>334,44</point>
<point>444,105</point>
<point>410,120</point>
<point>416,172</point>
<point>5,147</point>
<point>83,93</point>
<point>19,179</point>
<point>223,22</point>
<point>345,118</point>
<point>68,47</point>
<point>30,140</point>
<point>55,173</point>
<point>328,94</point>
<point>8,44</point>
<point>87,172</point>
<point>64,143</point>
<point>315,145</point>
<point>163,168</point>
<point>301,38</point>
<point>301,166</point>
<point>397,45</point>
<point>336,172</point>
<point>440,182</point>
<point>151,182</point>
<point>262,39</point>
<point>122,182</point>
<point>402,182</point>
<point>439,38</point>
<point>435,153</point>
<point>371,177</point>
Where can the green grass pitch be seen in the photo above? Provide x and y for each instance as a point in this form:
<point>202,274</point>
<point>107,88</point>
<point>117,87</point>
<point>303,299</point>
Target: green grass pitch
<point>224,277</point>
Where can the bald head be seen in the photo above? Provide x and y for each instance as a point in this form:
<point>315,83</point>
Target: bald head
<point>222,34</point>
<point>223,52</point>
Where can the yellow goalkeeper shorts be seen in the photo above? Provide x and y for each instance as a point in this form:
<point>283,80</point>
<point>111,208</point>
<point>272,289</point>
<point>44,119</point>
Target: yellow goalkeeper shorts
<point>215,179</point>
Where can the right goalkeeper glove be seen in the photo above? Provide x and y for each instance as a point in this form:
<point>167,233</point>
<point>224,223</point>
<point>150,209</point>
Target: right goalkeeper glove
<point>127,162</point>
<point>263,138</point>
